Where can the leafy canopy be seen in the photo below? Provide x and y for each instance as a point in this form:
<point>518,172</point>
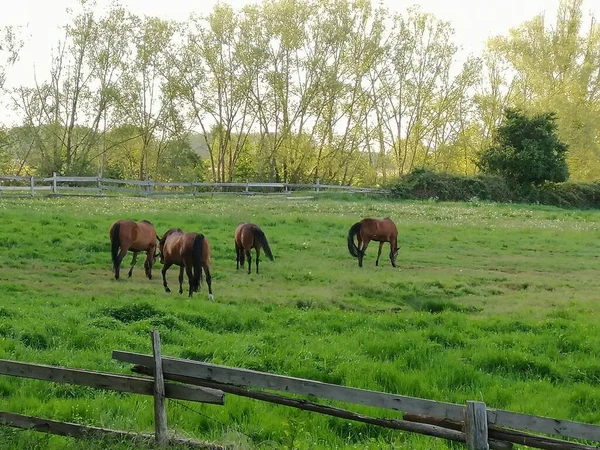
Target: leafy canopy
<point>526,149</point>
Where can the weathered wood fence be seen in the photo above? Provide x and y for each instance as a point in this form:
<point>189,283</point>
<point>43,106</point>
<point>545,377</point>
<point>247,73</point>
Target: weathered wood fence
<point>98,186</point>
<point>474,424</point>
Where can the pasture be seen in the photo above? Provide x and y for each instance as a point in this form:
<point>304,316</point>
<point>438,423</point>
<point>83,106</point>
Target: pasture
<point>497,303</point>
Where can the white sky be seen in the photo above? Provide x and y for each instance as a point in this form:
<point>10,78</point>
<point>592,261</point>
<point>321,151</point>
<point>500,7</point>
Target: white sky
<point>473,20</point>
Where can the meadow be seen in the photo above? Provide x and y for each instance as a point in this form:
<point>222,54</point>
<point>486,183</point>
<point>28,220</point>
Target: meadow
<point>489,302</point>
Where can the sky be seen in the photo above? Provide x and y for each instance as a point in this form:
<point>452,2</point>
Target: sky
<point>474,21</point>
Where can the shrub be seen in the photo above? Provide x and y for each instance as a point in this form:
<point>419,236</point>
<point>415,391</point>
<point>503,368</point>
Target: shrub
<point>423,183</point>
<point>426,184</point>
<point>526,150</point>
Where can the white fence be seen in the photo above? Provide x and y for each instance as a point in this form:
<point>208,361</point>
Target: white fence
<point>98,186</point>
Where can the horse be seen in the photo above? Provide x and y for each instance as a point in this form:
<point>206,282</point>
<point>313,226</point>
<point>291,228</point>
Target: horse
<point>135,236</point>
<point>246,237</point>
<point>379,230</point>
<point>189,251</point>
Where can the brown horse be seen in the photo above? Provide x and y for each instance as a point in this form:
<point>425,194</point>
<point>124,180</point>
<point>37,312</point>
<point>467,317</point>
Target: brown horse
<point>248,236</point>
<point>135,236</point>
<point>189,251</point>
<point>368,230</point>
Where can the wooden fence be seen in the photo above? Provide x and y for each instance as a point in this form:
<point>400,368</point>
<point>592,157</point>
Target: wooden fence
<point>98,186</point>
<point>474,424</point>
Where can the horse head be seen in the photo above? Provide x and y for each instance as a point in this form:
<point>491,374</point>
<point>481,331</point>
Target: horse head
<point>393,256</point>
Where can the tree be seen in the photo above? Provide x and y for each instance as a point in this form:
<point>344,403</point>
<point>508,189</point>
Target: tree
<point>64,110</point>
<point>556,67</point>
<point>526,150</point>
<point>146,98</point>
<point>10,45</point>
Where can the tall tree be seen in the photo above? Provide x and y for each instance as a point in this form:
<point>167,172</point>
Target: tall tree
<point>146,99</point>
<point>558,69</point>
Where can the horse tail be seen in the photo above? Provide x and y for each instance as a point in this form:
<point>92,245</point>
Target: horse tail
<point>115,243</point>
<point>197,259</point>
<point>262,239</point>
<point>354,230</point>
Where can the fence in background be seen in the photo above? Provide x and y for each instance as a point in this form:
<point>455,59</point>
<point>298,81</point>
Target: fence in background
<point>98,186</point>
<point>474,424</point>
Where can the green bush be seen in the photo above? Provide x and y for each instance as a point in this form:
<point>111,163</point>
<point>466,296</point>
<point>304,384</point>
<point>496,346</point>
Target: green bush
<point>426,184</point>
<point>526,150</point>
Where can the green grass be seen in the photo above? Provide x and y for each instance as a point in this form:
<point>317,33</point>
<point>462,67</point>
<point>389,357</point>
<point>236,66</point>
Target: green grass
<point>489,302</point>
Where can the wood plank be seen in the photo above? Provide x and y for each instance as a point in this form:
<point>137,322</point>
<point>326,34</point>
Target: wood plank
<point>108,381</point>
<point>264,185</point>
<point>131,182</point>
<point>565,428</point>
<point>76,179</point>
<point>120,189</point>
<point>83,431</point>
<point>66,189</point>
<point>503,434</point>
<point>15,188</point>
<point>161,432</point>
<point>184,184</point>
<point>476,426</point>
<point>251,378</point>
<point>14,178</point>
<point>430,430</point>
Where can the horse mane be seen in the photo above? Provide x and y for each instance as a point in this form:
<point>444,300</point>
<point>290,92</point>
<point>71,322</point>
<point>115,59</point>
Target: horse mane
<point>147,221</point>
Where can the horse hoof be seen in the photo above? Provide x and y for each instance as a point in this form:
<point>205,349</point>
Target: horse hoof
<point>211,297</point>
<point>180,291</point>
<point>167,290</point>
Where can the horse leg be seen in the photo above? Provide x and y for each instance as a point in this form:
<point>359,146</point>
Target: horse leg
<point>379,253</point>
<point>237,257</point>
<point>249,258</point>
<point>257,258</point>
<point>164,275</point>
<point>361,252</point>
<point>181,279</point>
<point>120,258</point>
<point>133,261</point>
<point>209,283</point>
<point>190,275</point>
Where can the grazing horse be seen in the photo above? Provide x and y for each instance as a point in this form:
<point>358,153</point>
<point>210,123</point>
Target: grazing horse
<point>189,251</point>
<point>135,236</point>
<point>368,230</point>
<point>248,236</point>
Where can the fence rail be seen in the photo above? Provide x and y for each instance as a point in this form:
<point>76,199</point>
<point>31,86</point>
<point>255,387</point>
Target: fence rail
<point>474,424</point>
<point>252,379</point>
<point>69,185</point>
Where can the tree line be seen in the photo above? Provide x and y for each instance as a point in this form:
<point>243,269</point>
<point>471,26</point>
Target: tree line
<point>293,90</point>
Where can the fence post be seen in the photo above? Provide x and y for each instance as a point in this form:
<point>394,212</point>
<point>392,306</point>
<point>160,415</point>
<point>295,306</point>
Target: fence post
<point>100,184</point>
<point>195,187</point>
<point>246,185</point>
<point>147,180</point>
<point>54,189</point>
<point>318,184</point>
<point>32,186</point>
<point>476,426</point>
<point>160,411</point>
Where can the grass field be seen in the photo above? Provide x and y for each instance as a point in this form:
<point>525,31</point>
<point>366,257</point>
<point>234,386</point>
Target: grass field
<point>497,303</point>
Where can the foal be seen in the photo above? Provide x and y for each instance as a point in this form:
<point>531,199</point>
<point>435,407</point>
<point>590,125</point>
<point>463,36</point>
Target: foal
<point>248,236</point>
<point>189,251</point>
<point>135,236</point>
<point>368,230</point>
